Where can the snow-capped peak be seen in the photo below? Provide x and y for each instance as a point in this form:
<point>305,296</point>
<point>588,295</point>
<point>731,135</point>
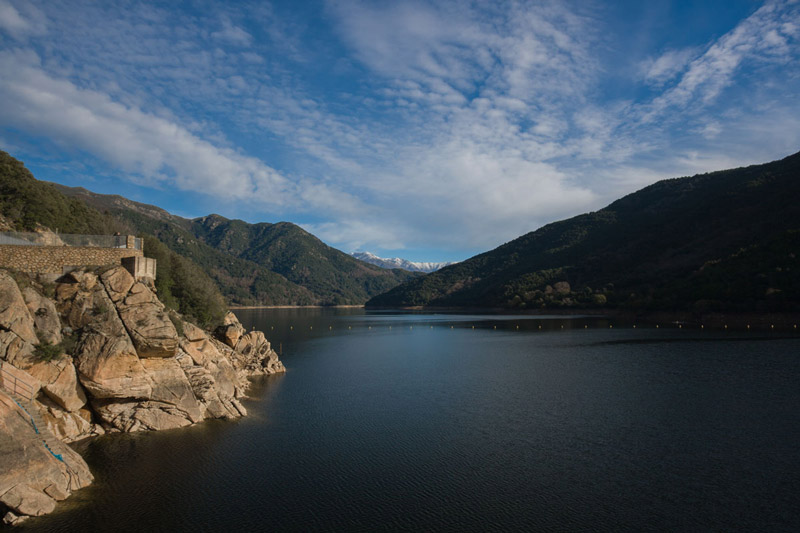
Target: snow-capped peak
<point>396,262</point>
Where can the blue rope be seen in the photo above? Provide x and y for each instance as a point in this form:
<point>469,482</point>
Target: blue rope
<point>33,423</point>
<point>29,416</point>
<point>56,455</point>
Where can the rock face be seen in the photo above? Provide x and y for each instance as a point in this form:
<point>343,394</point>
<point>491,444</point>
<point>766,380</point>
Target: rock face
<point>31,478</point>
<point>17,336</point>
<point>122,366</point>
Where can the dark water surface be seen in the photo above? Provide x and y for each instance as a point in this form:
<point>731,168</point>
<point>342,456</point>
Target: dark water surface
<point>420,422</point>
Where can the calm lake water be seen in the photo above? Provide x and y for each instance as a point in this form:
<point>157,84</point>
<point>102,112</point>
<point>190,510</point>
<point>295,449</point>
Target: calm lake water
<point>388,421</point>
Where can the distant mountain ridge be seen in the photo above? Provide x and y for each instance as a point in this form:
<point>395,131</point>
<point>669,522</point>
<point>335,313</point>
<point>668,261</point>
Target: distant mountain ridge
<point>396,262</point>
<point>254,264</point>
<point>722,241</point>
<point>251,264</point>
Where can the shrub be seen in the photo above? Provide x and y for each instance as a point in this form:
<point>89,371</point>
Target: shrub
<point>44,351</point>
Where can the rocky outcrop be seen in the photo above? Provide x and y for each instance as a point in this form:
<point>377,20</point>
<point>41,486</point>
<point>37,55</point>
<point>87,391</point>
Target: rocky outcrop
<point>14,315</point>
<point>60,383</point>
<point>32,479</point>
<point>17,336</point>
<point>231,330</point>
<point>145,318</point>
<point>44,314</point>
<point>115,363</point>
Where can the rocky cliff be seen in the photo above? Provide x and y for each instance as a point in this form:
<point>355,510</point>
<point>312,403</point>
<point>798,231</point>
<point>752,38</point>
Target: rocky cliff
<point>105,355</point>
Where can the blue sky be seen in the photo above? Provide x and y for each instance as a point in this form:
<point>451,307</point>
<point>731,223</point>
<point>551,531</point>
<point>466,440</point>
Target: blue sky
<point>426,130</point>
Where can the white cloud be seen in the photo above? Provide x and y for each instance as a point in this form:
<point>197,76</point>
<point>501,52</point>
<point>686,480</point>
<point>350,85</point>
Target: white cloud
<point>760,37</point>
<point>233,34</point>
<point>664,68</point>
<point>454,124</point>
<point>20,24</point>
<point>10,19</point>
<point>160,151</point>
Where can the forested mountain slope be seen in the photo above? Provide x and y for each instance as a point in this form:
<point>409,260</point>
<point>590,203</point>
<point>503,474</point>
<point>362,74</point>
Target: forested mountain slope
<point>726,240</point>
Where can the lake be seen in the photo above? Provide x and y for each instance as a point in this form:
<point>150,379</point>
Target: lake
<point>456,422</point>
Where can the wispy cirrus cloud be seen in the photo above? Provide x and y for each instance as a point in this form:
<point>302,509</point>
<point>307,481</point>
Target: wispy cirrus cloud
<point>451,125</point>
<point>152,149</point>
<point>765,36</point>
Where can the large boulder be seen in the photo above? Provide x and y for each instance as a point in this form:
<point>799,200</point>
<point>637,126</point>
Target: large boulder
<point>14,315</point>
<point>45,316</point>
<point>254,354</point>
<point>171,386</point>
<point>109,368</point>
<point>231,330</point>
<point>140,415</point>
<point>60,383</point>
<point>144,316</point>
<point>31,478</point>
<point>118,283</point>
<point>68,426</point>
<point>15,350</point>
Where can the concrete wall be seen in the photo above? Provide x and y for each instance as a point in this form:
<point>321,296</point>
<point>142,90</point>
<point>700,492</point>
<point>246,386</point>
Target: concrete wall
<point>140,267</point>
<point>53,259</point>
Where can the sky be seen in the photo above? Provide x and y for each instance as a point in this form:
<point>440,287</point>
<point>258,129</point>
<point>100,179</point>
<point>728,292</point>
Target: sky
<point>426,130</point>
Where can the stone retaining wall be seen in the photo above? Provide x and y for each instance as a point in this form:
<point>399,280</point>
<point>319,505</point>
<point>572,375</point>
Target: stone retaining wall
<point>53,259</point>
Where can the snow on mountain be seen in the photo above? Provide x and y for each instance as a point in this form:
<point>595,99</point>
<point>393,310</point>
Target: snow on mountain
<point>396,262</point>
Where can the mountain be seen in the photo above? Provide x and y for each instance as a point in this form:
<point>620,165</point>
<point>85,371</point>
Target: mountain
<point>722,241</point>
<point>27,204</point>
<point>253,264</point>
<point>250,264</point>
<point>332,276</point>
<point>396,262</point>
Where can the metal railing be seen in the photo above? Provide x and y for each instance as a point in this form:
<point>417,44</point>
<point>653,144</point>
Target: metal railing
<point>22,238</point>
<point>13,384</point>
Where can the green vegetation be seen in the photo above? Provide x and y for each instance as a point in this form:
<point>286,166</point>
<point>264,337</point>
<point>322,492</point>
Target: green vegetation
<point>29,204</point>
<point>184,287</point>
<point>254,264</point>
<point>727,240</point>
<point>333,277</point>
<point>45,351</point>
